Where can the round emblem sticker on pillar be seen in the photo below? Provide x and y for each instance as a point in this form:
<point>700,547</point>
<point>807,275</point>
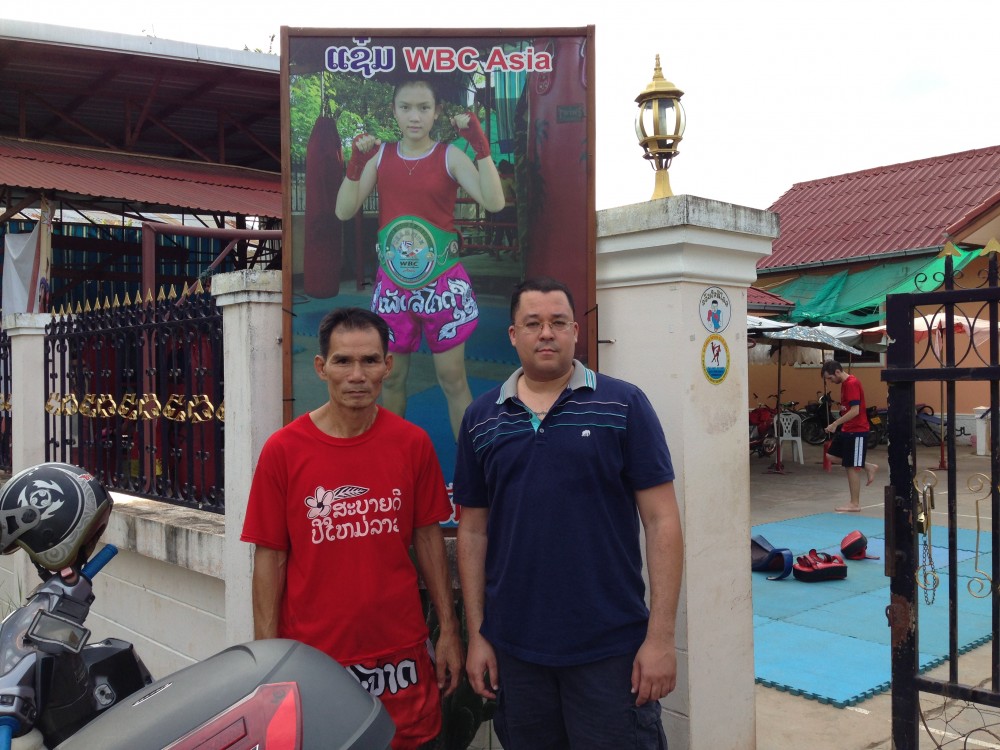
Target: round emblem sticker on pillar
<point>715,310</point>
<point>715,358</point>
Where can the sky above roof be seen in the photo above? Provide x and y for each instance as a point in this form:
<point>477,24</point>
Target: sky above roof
<point>776,91</point>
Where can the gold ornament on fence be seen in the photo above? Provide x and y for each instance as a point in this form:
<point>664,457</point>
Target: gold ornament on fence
<point>165,294</point>
<point>133,407</point>
<point>980,586</point>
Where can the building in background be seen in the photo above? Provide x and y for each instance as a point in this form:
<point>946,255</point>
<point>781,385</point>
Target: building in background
<point>849,240</point>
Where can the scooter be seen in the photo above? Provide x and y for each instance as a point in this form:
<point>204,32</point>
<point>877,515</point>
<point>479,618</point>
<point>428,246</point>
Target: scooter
<point>273,694</point>
<point>58,691</point>
<point>815,417</point>
<point>878,427</point>
<point>763,441</point>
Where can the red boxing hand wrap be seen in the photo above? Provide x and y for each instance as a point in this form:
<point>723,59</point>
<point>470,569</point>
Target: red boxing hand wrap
<point>474,134</point>
<point>358,159</point>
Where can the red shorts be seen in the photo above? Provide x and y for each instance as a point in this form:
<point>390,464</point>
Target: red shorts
<point>406,683</point>
<point>444,312</point>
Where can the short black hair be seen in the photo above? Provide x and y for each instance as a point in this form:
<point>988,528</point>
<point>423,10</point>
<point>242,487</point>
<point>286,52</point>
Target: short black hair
<point>351,319</point>
<point>830,367</point>
<point>538,284</point>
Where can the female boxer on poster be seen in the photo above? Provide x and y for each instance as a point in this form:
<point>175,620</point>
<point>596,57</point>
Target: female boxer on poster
<point>421,288</point>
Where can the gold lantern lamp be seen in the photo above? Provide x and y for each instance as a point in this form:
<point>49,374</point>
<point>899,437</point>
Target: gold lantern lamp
<point>659,126</point>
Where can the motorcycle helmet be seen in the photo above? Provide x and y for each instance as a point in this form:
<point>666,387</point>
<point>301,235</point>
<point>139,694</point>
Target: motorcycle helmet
<point>55,512</point>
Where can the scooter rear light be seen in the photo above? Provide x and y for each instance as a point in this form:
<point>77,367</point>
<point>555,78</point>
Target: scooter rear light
<point>270,718</point>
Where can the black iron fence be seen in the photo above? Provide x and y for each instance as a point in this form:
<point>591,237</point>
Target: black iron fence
<point>135,395</point>
<point>5,410</point>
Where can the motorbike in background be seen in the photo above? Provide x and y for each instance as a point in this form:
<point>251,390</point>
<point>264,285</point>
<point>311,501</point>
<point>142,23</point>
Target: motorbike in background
<point>763,440</point>
<point>820,413</point>
<point>878,426</point>
<point>815,417</point>
<point>58,691</point>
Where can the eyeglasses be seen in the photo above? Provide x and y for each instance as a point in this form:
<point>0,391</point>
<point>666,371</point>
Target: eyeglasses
<point>534,327</point>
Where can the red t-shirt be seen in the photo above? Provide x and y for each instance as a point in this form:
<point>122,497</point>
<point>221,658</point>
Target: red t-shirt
<point>345,510</point>
<point>852,393</point>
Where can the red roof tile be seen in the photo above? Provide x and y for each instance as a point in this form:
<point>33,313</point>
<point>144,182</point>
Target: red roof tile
<point>158,182</point>
<point>977,213</point>
<point>882,210</point>
<point>762,298</point>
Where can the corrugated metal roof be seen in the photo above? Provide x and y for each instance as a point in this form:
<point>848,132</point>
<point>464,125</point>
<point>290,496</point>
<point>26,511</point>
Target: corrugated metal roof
<point>159,184</point>
<point>135,94</point>
<point>883,210</point>
<point>142,45</point>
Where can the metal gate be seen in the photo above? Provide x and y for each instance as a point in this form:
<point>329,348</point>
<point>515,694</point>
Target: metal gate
<point>136,397</point>
<point>922,551</point>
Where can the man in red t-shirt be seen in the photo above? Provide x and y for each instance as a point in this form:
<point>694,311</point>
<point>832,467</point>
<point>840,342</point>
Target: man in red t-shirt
<point>338,498</point>
<point>850,443</point>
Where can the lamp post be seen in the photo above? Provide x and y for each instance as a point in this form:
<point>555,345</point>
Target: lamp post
<point>659,126</point>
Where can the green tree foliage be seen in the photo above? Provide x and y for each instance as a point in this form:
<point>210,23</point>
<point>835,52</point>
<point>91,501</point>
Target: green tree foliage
<point>304,107</point>
<point>359,105</point>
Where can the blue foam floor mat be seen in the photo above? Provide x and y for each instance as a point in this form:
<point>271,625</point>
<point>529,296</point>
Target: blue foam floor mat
<point>829,641</point>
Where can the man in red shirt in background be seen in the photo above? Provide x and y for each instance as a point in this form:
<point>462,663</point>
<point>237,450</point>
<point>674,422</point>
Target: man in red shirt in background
<point>850,442</point>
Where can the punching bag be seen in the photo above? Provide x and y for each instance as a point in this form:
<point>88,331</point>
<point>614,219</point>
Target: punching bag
<point>557,156</point>
<point>323,230</point>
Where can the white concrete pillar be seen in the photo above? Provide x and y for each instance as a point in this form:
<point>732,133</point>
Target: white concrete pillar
<point>252,356</point>
<point>659,266</point>
<point>27,357</point>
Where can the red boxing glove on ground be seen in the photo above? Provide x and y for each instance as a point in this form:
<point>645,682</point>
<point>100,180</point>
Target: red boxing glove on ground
<point>473,133</point>
<point>359,157</point>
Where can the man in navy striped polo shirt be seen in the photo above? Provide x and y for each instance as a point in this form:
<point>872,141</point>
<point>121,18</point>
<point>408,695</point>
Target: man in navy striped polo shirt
<point>557,468</point>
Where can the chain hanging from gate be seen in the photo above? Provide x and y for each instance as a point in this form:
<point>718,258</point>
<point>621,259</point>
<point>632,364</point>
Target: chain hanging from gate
<point>927,576</point>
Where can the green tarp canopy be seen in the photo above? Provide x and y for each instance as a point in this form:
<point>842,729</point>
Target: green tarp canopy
<point>854,299</point>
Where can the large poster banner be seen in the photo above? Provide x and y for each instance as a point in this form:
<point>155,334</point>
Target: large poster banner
<point>426,174</point>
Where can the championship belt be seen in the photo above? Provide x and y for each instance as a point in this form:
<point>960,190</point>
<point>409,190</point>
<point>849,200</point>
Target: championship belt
<point>414,252</point>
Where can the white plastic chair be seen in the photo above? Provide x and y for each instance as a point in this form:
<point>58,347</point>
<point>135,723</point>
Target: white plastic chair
<point>790,429</point>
